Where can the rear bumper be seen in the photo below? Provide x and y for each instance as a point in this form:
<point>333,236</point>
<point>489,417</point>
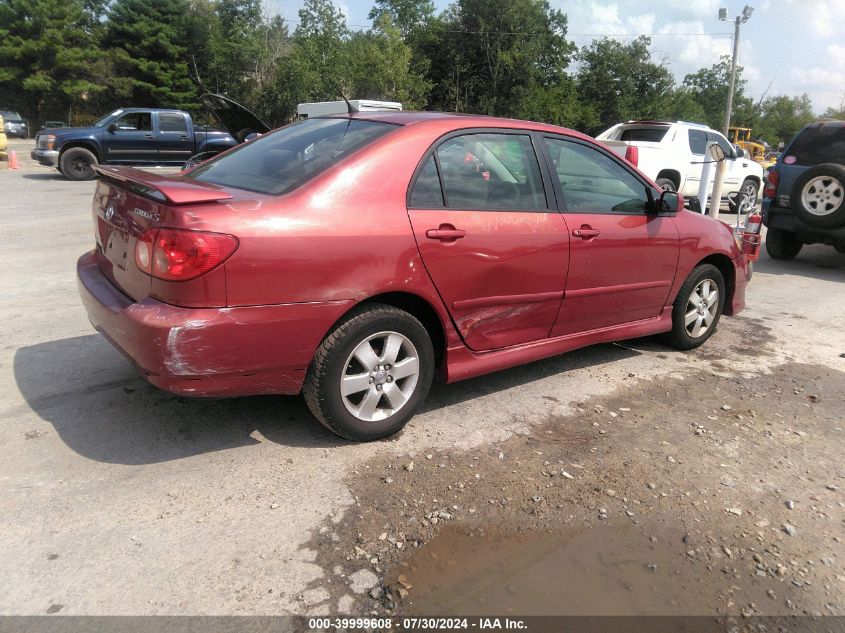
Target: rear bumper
<point>45,156</point>
<point>208,351</point>
<point>785,219</point>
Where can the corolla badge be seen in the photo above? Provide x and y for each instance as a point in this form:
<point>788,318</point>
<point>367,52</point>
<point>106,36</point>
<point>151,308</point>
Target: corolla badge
<point>108,214</point>
<point>149,215</point>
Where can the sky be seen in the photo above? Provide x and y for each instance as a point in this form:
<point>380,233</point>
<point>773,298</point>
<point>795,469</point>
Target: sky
<point>787,47</point>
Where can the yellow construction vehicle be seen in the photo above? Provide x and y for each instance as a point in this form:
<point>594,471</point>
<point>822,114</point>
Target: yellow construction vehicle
<point>758,152</point>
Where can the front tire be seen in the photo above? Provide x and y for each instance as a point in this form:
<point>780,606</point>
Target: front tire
<point>77,163</point>
<point>782,244</point>
<point>697,308</point>
<point>371,373</point>
<point>748,192</point>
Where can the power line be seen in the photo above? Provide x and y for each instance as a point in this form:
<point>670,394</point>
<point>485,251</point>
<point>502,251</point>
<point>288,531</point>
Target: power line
<point>367,26</point>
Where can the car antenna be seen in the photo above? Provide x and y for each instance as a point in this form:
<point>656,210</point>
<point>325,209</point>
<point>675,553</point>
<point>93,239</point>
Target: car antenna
<point>350,108</point>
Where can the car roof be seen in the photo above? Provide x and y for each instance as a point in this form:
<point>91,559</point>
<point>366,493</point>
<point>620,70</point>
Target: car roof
<point>456,120</point>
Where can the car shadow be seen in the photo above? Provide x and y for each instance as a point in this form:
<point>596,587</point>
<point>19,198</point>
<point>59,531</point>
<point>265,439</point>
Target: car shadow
<point>42,176</point>
<point>103,410</point>
<point>817,261</point>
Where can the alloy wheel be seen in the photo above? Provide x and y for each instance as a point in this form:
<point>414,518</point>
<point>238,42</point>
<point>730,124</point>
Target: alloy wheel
<point>702,306</point>
<point>380,376</point>
<point>822,195</point>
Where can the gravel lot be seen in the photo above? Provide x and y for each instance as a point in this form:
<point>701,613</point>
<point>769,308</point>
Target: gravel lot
<point>116,498</point>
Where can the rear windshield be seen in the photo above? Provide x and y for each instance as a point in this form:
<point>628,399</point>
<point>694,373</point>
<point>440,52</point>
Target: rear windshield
<point>819,144</point>
<point>650,134</point>
<point>282,161</point>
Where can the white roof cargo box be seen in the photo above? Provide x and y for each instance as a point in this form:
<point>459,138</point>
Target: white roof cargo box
<point>307,110</point>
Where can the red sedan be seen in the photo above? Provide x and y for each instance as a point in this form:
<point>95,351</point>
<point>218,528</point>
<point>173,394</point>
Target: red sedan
<point>353,257</point>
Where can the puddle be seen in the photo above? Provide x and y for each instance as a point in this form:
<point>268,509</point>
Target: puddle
<point>603,570</point>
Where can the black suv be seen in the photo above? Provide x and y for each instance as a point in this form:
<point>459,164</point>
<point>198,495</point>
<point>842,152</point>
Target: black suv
<point>804,198</point>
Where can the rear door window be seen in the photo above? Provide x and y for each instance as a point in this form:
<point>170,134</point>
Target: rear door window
<point>427,192</point>
<point>490,171</point>
<point>819,144</point>
<point>172,122</point>
<point>281,161</point>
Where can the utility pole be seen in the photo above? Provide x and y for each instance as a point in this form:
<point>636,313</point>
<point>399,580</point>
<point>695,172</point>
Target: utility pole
<point>740,19</point>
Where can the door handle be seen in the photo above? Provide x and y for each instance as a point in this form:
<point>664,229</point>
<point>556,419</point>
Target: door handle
<point>585,232</point>
<point>149,137</point>
<point>183,136</point>
<point>446,232</point>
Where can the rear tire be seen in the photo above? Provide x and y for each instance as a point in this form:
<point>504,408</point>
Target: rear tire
<point>782,244</point>
<point>77,163</point>
<point>370,374</point>
<point>696,310</point>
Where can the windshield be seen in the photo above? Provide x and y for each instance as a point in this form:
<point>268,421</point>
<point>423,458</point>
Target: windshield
<point>105,119</point>
<point>10,116</point>
<point>283,160</point>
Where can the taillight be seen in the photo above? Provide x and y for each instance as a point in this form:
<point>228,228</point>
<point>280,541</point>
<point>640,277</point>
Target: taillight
<point>632,155</point>
<point>144,250</point>
<point>179,255</point>
<point>771,188</point>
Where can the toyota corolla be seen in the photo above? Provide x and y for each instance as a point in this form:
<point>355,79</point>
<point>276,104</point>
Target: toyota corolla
<point>355,258</point>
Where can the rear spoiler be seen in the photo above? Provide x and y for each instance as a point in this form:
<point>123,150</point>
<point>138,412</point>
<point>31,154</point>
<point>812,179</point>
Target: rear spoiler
<point>174,190</point>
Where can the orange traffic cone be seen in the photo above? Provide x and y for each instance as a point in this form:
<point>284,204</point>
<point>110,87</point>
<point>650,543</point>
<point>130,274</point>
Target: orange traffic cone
<point>13,161</point>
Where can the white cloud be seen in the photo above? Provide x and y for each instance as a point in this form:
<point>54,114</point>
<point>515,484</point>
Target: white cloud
<point>825,16</point>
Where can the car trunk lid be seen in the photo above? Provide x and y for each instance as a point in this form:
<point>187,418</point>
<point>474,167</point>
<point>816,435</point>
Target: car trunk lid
<point>127,203</point>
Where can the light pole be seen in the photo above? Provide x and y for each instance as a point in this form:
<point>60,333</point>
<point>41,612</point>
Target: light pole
<point>740,19</point>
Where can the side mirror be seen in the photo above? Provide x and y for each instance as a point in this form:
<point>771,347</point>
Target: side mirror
<point>112,127</point>
<point>669,202</point>
<point>740,153</point>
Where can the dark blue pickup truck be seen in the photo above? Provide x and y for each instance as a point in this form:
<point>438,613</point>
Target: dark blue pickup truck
<point>143,136</point>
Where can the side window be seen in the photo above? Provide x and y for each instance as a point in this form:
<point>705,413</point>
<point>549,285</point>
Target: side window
<point>172,122</point>
<point>698,142</point>
<point>491,172</point>
<point>722,141</point>
<point>135,121</point>
<point>427,192</point>
<point>592,182</point>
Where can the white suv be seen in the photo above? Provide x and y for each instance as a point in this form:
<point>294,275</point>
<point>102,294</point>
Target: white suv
<point>672,154</point>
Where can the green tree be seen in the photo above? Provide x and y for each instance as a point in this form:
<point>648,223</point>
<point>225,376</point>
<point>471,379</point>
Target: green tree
<point>499,57</point>
<point>149,42</point>
<point>710,87</point>
<point>237,47</point>
<point>317,69</point>
<point>781,117</point>
<point>618,81</point>
<point>380,63</point>
<point>48,59</point>
<point>408,15</point>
